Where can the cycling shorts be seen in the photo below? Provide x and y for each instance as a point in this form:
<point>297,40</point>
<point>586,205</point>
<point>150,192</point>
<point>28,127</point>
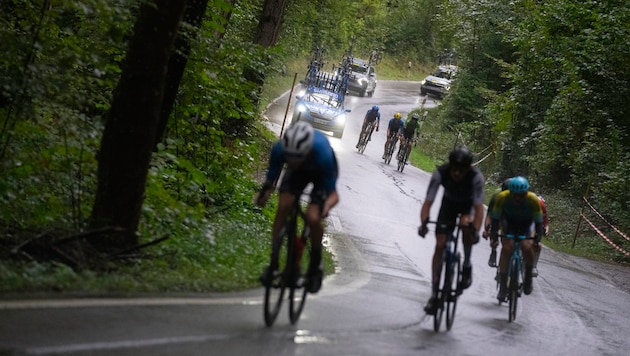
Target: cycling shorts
<point>448,214</point>
<point>295,181</point>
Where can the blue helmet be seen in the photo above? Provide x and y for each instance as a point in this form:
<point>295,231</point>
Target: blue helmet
<point>375,107</point>
<point>518,185</point>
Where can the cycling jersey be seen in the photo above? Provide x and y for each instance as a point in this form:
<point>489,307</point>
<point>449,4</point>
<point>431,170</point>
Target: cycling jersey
<point>319,167</point>
<point>372,116</point>
<point>411,127</point>
<point>393,124</point>
<point>469,189</point>
<point>459,197</point>
<point>517,216</point>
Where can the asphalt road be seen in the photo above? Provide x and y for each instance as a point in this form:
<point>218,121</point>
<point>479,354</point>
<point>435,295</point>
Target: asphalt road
<point>372,305</point>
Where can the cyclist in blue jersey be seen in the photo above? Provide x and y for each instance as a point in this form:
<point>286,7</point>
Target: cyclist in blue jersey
<point>513,212</point>
<point>309,158</point>
<point>463,195</point>
<point>372,115</point>
<point>394,128</point>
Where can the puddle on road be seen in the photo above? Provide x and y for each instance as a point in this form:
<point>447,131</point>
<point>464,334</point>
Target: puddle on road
<point>305,337</point>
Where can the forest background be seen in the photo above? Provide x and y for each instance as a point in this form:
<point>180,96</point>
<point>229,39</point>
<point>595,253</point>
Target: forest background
<point>131,136</point>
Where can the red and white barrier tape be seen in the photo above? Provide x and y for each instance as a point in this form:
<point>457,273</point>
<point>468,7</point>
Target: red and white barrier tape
<point>609,224</point>
<point>605,238</point>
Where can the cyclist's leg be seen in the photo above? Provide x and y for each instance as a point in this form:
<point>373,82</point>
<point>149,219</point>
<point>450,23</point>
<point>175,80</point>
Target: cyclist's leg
<point>537,250</point>
<point>314,221</point>
<point>285,204</point>
<point>372,130</point>
<point>507,248</point>
<point>361,133</point>
<point>527,246</point>
<point>445,216</point>
<point>468,240</point>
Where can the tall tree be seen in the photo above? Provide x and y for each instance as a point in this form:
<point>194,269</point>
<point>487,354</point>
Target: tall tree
<point>131,125</point>
<point>266,36</point>
<point>193,15</point>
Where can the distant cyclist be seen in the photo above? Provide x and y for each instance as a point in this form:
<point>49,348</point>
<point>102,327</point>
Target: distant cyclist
<point>463,195</point>
<point>411,129</point>
<point>394,128</point>
<point>372,115</point>
<point>538,247</point>
<point>513,212</point>
<point>309,158</point>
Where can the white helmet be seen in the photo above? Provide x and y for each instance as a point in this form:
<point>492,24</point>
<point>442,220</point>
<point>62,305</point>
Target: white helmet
<point>298,140</point>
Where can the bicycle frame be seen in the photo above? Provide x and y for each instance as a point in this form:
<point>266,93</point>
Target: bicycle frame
<point>291,272</point>
<point>450,277</point>
<point>403,156</point>
<point>391,146</point>
<point>515,275</point>
<point>365,136</point>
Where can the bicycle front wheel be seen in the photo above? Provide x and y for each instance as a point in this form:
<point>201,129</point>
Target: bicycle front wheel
<point>513,289</point>
<point>454,277</point>
<point>297,289</point>
<point>402,161</point>
<point>274,293</point>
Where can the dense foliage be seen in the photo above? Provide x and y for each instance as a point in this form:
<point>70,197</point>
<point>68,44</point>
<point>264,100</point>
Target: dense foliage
<point>550,81</point>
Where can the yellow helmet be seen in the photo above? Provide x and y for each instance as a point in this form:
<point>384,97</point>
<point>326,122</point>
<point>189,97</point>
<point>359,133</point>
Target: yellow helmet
<point>397,115</point>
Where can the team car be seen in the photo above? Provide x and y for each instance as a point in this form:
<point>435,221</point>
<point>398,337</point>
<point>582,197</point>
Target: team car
<point>438,83</point>
<point>362,78</point>
<point>323,107</point>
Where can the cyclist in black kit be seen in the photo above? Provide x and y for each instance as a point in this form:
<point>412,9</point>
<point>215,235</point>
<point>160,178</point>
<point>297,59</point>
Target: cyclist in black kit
<point>463,194</point>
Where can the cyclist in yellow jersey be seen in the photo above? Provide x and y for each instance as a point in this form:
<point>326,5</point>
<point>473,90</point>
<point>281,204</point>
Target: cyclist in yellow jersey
<point>515,209</point>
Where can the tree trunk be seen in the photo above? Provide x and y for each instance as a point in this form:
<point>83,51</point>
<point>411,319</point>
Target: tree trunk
<point>266,36</point>
<point>130,130</point>
<point>193,15</point>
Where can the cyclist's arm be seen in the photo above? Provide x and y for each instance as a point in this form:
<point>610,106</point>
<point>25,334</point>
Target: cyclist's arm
<point>276,161</point>
<point>496,212</point>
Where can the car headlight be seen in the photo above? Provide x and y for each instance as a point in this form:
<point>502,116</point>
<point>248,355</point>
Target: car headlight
<point>301,108</point>
<point>423,82</point>
<point>341,119</point>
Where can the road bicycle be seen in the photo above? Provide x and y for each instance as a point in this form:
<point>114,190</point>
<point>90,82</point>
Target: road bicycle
<point>365,136</point>
<point>515,275</point>
<point>450,280</point>
<point>403,154</point>
<point>390,146</point>
<point>292,268</point>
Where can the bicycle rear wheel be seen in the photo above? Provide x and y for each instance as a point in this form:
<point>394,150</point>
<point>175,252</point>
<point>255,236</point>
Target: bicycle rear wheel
<point>403,161</point>
<point>453,283</point>
<point>274,292</point>
<point>297,289</point>
<point>513,289</point>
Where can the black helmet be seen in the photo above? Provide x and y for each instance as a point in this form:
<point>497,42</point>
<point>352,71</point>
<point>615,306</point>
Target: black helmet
<point>415,116</point>
<point>460,156</point>
<point>506,184</point>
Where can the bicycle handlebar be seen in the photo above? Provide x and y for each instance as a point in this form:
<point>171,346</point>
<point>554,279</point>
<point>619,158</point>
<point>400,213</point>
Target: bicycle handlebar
<point>422,233</point>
